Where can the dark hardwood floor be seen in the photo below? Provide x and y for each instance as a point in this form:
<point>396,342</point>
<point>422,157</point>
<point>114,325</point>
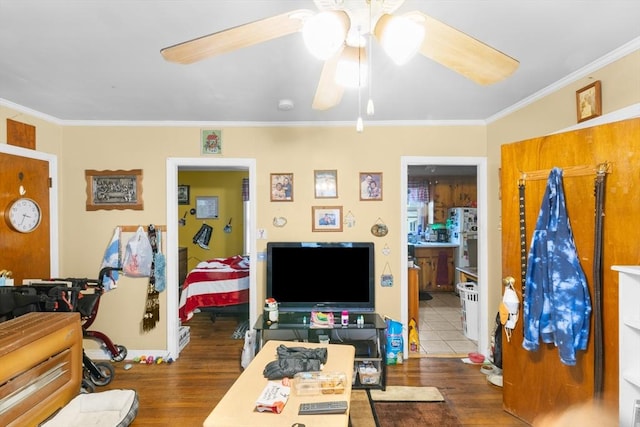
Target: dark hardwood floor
<point>184,392</point>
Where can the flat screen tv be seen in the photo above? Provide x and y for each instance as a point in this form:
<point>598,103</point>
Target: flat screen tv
<point>303,276</point>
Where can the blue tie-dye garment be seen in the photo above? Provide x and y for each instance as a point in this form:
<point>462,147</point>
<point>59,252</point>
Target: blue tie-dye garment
<point>556,305</point>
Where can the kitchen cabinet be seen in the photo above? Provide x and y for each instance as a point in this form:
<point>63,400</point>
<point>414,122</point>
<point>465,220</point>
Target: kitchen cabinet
<point>428,260</point>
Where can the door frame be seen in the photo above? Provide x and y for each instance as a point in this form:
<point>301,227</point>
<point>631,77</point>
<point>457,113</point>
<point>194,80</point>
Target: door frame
<point>481,182</point>
<point>175,164</point>
<point>52,160</point>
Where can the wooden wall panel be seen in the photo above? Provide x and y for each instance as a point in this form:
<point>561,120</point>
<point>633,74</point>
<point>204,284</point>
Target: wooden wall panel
<point>537,382</point>
<point>21,134</point>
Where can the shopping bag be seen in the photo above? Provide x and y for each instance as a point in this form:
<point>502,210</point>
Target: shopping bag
<point>249,350</point>
<point>138,255</point>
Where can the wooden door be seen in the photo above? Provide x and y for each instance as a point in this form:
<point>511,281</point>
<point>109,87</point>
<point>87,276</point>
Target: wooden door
<point>537,382</point>
<point>26,255</point>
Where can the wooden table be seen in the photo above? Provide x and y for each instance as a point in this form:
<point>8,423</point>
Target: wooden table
<point>237,407</point>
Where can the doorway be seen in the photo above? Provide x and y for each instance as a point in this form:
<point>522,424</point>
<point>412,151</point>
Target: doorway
<point>174,165</point>
<point>481,182</point>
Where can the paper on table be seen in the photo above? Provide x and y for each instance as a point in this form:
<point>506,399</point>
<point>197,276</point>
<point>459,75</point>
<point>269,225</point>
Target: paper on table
<point>273,397</point>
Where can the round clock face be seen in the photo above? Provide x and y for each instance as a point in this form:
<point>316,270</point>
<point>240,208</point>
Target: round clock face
<point>23,215</point>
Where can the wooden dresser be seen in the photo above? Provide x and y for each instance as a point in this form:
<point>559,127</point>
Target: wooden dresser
<point>41,360</point>
<point>183,265</point>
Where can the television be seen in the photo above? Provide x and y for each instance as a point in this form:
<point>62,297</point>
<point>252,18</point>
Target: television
<point>324,276</point>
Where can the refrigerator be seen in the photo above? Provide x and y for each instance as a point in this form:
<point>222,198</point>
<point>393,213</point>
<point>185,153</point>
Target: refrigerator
<point>463,232</point>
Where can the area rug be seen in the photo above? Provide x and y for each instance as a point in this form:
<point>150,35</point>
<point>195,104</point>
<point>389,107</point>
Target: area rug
<point>425,296</point>
<point>239,333</point>
<point>365,412</point>
<point>414,414</point>
<point>406,394</point>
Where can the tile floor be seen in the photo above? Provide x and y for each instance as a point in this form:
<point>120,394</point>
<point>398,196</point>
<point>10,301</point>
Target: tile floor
<point>440,328</point>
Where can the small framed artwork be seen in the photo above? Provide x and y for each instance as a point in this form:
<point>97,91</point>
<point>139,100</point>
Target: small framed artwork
<point>183,195</point>
<point>114,189</point>
<point>589,102</point>
<point>207,207</point>
<point>281,187</point>
<point>326,218</point>
<point>370,185</point>
<point>211,142</point>
<point>326,184</point>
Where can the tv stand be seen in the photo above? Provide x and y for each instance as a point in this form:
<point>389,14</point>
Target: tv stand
<point>368,339</point>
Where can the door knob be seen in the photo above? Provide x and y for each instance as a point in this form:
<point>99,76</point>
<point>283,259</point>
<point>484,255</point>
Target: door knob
<point>508,281</point>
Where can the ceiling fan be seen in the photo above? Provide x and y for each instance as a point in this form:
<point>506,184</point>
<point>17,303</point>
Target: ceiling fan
<point>359,18</point>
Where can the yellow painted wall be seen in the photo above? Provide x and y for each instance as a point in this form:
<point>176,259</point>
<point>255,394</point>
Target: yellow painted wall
<point>227,186</point>
<point>84,235</point>
<point>620,88</point>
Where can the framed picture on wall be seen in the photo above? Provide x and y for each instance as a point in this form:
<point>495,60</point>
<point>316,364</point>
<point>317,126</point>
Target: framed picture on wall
<point>207,207</point>
<point>325,184</point>
<point>589,102</point>
<point>281,187</point>
<point>114,189</point>
<point>211,142</point>
<point>183,194</point>
<point>370,185</point>
<point>326,218</point>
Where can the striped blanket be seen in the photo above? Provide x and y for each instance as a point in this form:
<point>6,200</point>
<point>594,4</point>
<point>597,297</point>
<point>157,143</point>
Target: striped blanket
<point>218,282</point>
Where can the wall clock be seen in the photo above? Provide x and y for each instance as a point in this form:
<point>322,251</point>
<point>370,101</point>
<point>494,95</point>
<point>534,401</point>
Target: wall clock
<point>23,215</point>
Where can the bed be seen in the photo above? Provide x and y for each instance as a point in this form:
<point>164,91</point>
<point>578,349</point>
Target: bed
<point>217,285</point>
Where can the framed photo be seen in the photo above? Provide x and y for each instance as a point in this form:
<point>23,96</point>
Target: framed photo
<point>207,207</point>
<point>114,189</point>
<point>589,102</point>
<point>211,142</point>
<point>183,195</point>
<point>281,187</point>
<point>326,218</point>
<point>326,184</point>
<point>370,185</point>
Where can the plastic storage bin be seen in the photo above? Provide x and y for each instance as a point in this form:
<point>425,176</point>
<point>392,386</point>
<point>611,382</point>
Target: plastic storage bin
<point>368,373</point>
<point>314,383</point>
<point>469,304</point>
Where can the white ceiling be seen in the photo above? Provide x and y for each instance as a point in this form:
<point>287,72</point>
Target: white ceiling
<point>99,60</point>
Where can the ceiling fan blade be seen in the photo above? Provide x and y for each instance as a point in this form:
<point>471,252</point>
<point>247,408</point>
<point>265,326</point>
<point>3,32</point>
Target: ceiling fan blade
<point>329,93</point>
<point>464,54</point>
<point>236,38</point>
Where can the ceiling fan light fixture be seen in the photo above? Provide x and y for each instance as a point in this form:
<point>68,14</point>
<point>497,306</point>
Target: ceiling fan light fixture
<point>400,37</point>
<point>324,33</point>
<point>351,70</point>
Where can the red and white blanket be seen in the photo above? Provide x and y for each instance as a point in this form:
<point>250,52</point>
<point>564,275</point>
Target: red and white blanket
<point>218,282</point>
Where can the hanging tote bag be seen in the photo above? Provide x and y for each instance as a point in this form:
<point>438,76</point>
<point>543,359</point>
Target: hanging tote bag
<point>138,255</point>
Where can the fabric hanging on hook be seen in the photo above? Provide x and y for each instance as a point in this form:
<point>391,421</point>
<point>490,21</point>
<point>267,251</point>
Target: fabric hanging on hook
<point>203,236</point>
<point>112,259</point>
<point>152,305</point>
<point>556,303</point>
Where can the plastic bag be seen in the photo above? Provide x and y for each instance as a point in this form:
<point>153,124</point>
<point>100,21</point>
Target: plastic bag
<point>248,352</point>
<point>138,255</point>
<point>395,343</point>
<point>414,338</point>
